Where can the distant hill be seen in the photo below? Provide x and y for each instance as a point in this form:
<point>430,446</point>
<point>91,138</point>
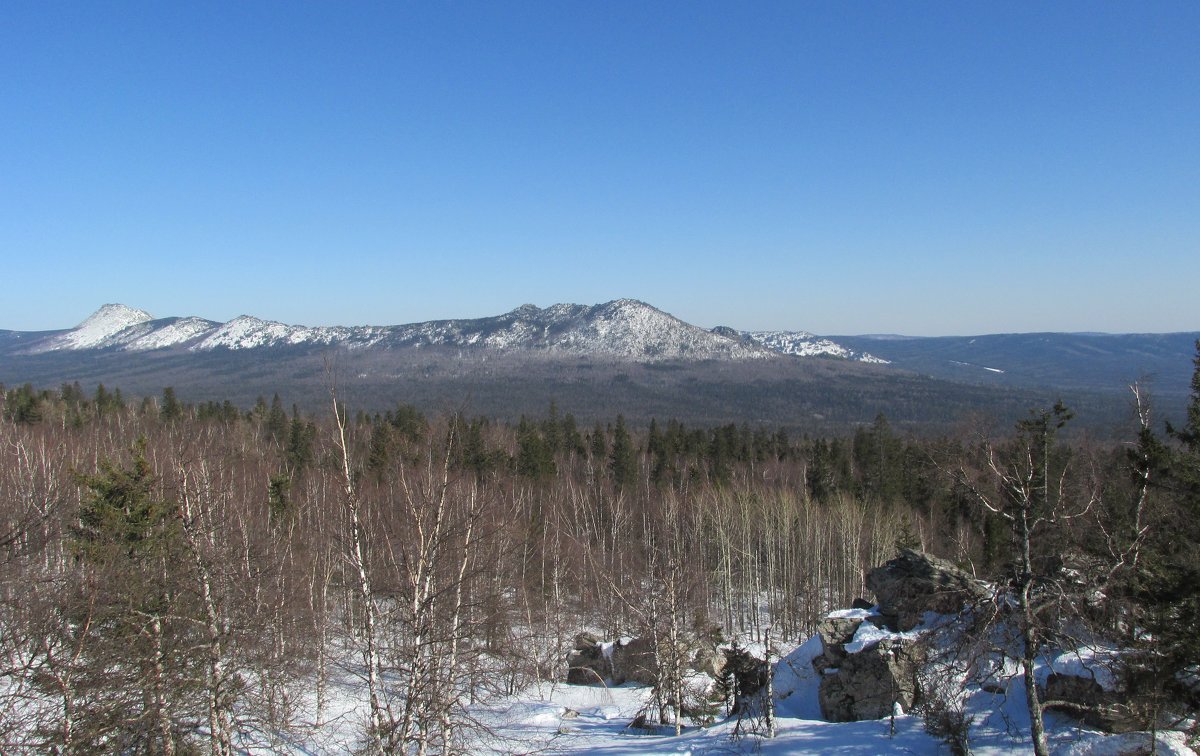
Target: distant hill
<point>1088,361</point>
<point>623,357</point>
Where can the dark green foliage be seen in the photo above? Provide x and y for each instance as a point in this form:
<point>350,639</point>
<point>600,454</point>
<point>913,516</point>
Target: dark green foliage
<point>878,455</point>
<point>106,402</point>
<point>72,395</point>
<point>571,439</point>
<point>171,409</point>
<point>394,436</point>
<point>1166,586</point>
<point>298,451</point>
<point>470,450</point>
<point>535,453</point>
<point>120,510</point>
<point>598,443</point>
<point>408,421</point>
<point>22,406</point>
<point>381,448</point>
<point>278,489</point>
<point>622,460</point>
<point>275,423</point>
<point>828,470</point>
<point>222,412</point>
<point>134,625</point>
<point>742,679</point>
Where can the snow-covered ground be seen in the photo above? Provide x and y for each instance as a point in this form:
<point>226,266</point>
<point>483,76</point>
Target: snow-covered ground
<point>556,718</point>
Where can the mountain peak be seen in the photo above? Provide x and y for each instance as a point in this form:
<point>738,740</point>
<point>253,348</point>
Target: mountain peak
<point>526,311</point>
<point>114,314</point>
<point>102,324</point>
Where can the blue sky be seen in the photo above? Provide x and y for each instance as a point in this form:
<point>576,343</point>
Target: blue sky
<point>920,168</point>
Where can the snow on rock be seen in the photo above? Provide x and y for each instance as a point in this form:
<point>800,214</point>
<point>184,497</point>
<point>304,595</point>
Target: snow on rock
<point>621,329</point>
<point>629,328</point>
<point>868,635</point>
<point>1090,663</point>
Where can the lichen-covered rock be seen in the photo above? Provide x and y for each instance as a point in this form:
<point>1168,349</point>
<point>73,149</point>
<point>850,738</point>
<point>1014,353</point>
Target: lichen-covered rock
<point>835,633</point>
<point>710,660</point>
<point>635,662</point>
<point>586,663</point>
<point>868,684</point>
<point>1085,699</point>
<point>915,583</point>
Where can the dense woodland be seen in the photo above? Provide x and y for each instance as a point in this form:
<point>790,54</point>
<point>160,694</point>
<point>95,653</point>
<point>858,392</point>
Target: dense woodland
<point>173,577</point>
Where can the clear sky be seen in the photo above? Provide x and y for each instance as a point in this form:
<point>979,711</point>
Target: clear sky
<point>841,167</point>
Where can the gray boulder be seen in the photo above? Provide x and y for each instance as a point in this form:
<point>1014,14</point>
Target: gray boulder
<point>635,662</point>
<point>710,660</point>
<point>587,663</point>
<point>835,633</point>
<point>914,583</point>
<point>1084,698</point>
<point>869,683</point>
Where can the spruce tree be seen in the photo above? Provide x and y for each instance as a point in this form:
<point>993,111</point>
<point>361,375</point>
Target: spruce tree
<point>622,460</point>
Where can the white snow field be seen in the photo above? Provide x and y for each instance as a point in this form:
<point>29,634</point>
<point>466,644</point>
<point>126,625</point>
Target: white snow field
<point>556,718</point>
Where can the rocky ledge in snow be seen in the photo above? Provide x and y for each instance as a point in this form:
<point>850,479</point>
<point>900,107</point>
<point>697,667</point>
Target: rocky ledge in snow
<point>938,637</point>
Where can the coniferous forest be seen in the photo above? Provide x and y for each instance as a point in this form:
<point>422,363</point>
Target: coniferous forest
<point>176,577</point>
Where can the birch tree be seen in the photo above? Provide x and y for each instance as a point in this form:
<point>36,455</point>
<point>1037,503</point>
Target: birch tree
<point>1027,486</point>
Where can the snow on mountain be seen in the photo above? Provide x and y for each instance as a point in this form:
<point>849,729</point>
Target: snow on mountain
<point>171,332</point>
<point>630,328</point>
<point>92,333</point>
<point>247,332</point>
<point>624,329</point>
<point>805,344</point>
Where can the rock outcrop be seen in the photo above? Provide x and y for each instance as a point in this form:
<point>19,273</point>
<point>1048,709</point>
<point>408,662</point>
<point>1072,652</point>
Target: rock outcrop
<point>634,662</point>
<point>592,662</point>
<point>866,672</point>
<point>915,583</point>
<point>1084,698</point>
<point>587,663</point>
<point>869,680</point>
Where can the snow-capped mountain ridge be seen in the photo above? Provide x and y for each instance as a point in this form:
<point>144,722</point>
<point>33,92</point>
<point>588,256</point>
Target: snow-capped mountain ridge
<point>100,326</point>
<point>623,329</point>
<point>805,344</point>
